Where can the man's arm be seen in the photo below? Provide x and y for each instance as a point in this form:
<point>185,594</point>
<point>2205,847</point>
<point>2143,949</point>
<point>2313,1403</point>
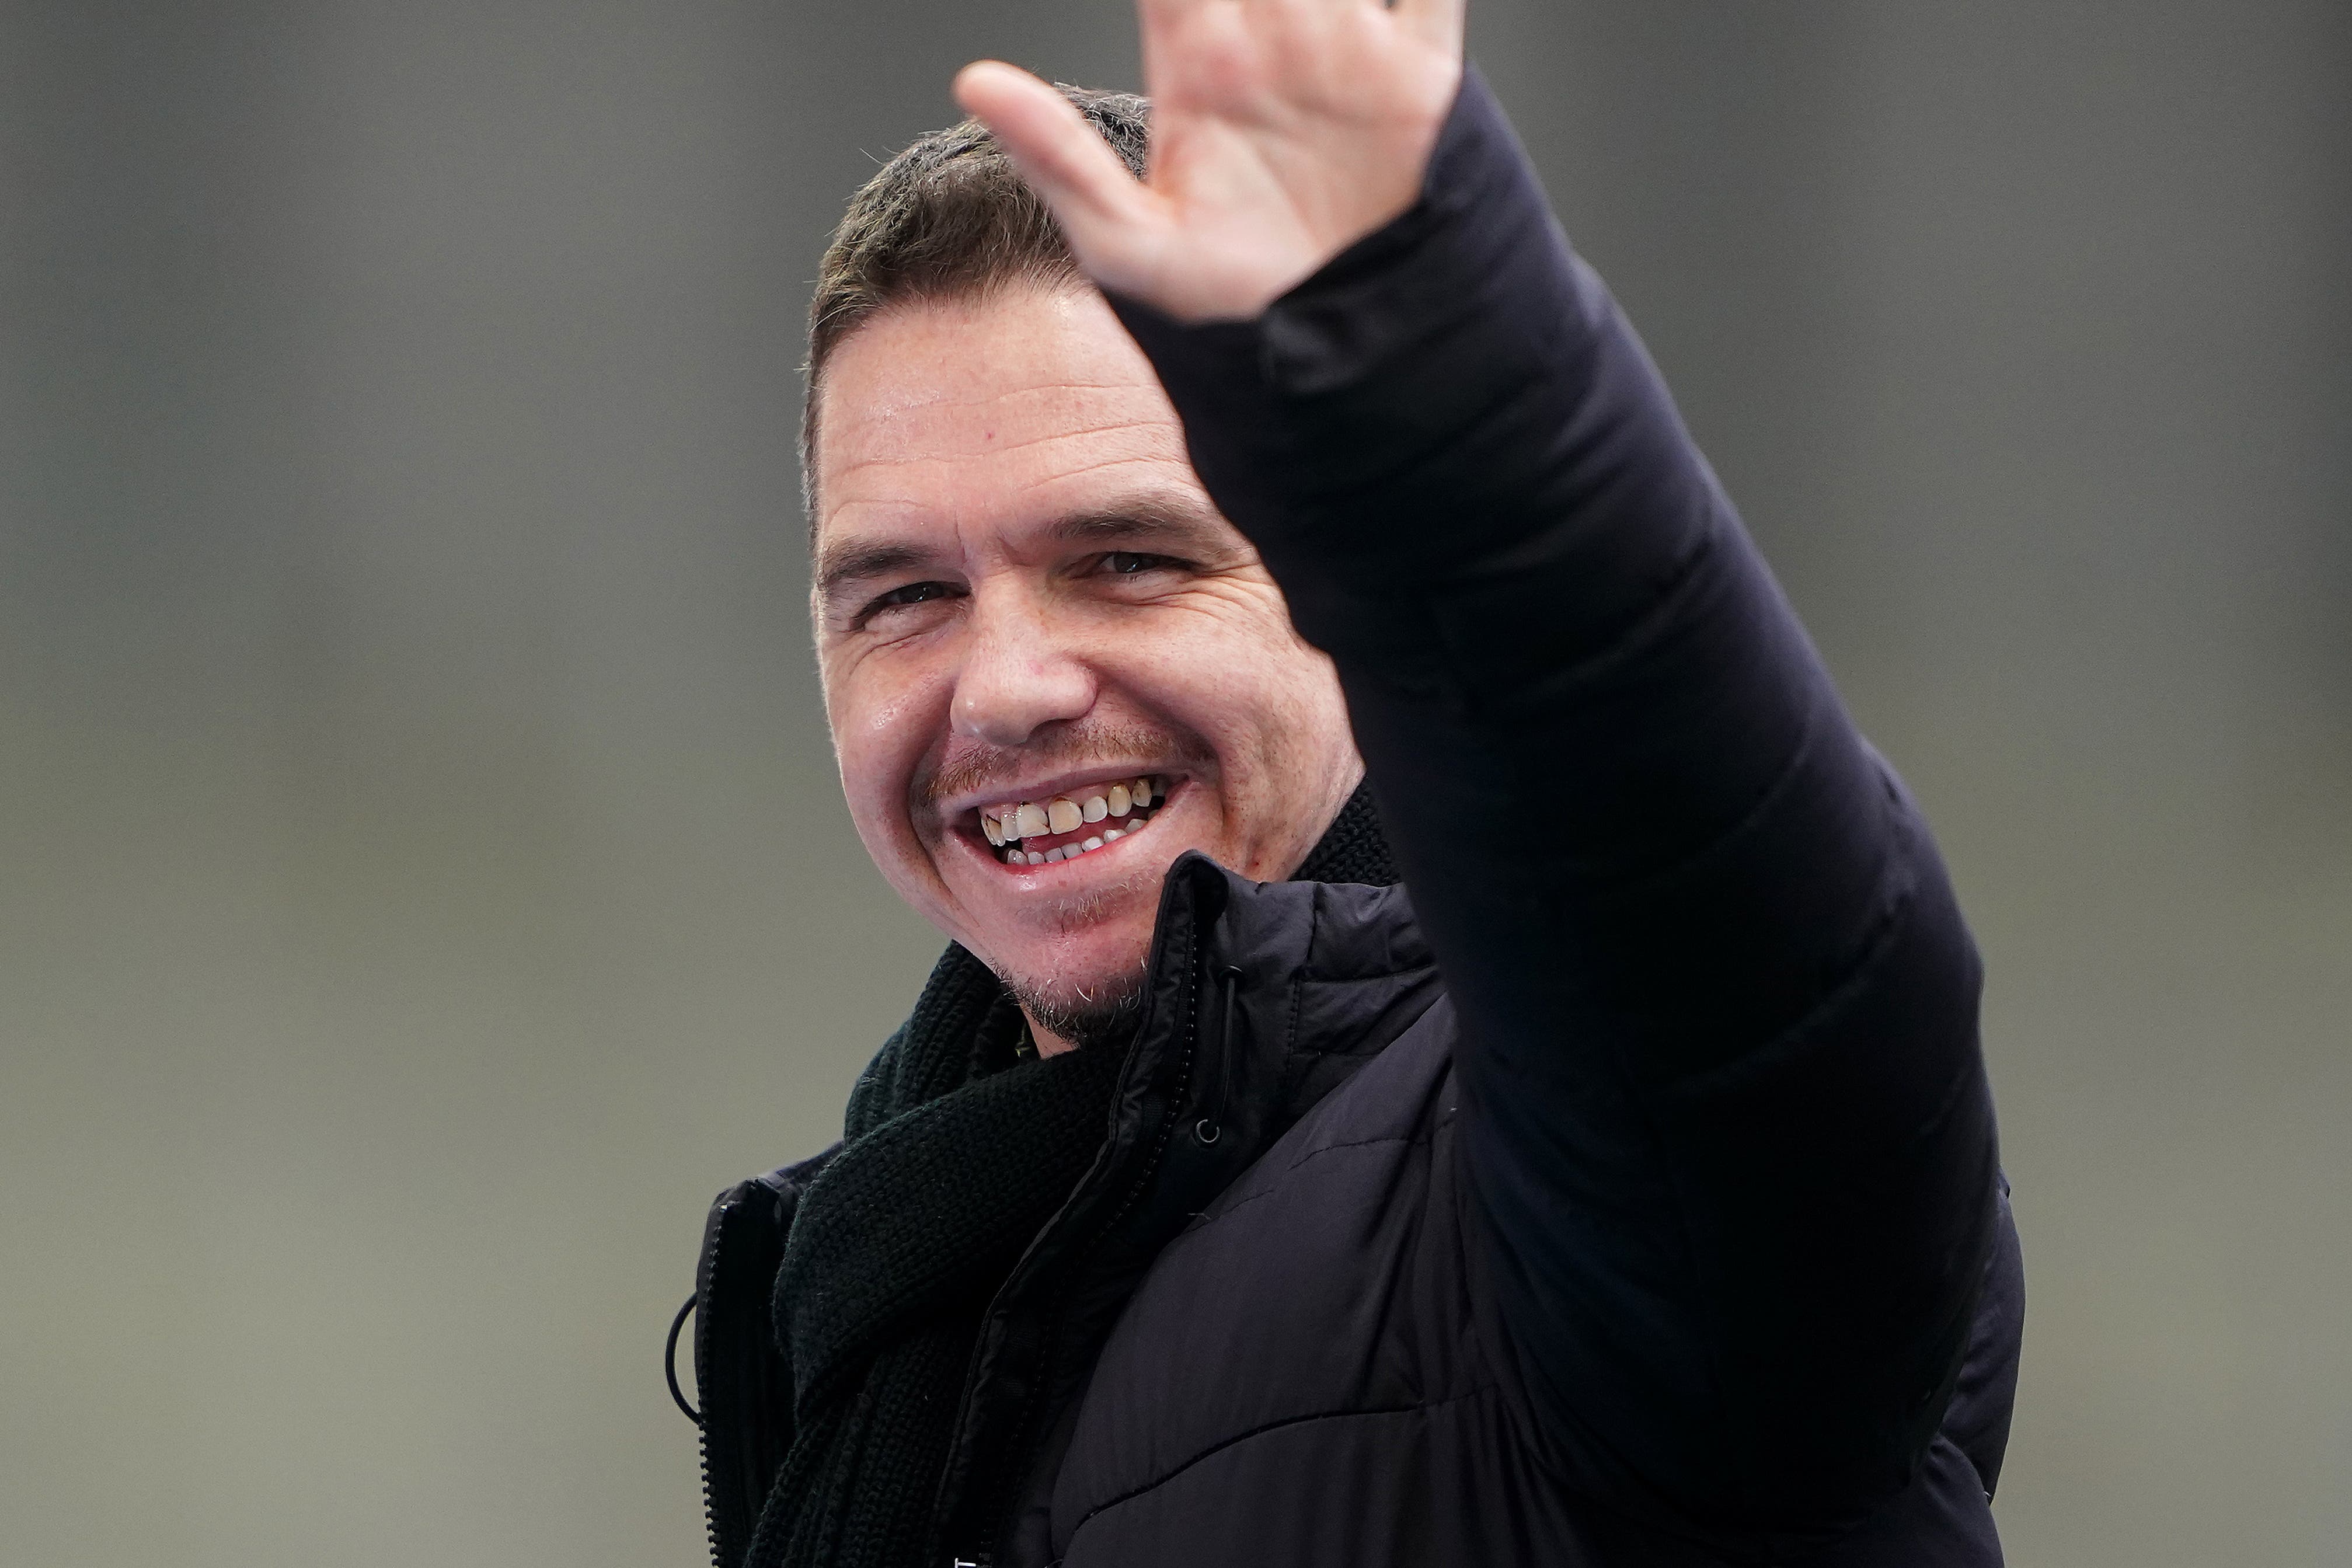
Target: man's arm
<point>1727,1124</point>
<point>1728,1121</point>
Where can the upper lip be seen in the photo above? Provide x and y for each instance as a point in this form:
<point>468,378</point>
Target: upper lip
<point>1048,788</point>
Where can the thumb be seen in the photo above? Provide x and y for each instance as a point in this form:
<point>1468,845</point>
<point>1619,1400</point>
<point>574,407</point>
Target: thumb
<point>1102,208</point>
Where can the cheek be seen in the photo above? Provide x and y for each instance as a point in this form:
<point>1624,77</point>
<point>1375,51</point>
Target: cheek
<point>1244,681</point>
<point>886,709</point>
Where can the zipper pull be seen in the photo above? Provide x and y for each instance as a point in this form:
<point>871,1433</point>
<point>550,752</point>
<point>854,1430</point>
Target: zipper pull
<point>1210,1126</point>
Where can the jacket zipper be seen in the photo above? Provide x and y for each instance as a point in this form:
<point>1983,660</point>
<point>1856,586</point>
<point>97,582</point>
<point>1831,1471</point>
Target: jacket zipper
<point>1024,1434</point>
<point>708,1278</point>
<point>1212,1124</point>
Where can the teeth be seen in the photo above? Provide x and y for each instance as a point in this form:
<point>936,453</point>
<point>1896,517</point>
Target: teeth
<point>1009,824</point>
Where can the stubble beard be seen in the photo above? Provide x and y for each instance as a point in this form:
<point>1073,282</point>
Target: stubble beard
<point>1104,1022</point>
<point>1101,1013</point>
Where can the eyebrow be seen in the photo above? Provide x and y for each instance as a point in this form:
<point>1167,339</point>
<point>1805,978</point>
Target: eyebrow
<point>1150,520</point>
<point>838,565</point>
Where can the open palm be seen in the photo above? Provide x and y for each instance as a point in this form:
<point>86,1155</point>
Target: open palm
<point>1281,131</point>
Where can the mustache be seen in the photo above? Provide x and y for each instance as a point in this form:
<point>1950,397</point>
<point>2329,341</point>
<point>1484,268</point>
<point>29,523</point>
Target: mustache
<point>973,766</point>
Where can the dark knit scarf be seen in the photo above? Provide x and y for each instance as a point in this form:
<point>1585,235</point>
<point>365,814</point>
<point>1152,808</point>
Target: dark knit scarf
<point>956,1154</point>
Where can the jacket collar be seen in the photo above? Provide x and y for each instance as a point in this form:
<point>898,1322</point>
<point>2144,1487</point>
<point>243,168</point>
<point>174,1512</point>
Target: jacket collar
<point>1297,985</point>
<point>1260,999</point>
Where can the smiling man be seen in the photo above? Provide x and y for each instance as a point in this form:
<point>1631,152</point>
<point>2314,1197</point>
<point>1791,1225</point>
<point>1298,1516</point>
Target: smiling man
<point>1039,638</point>
<point>1452,1048</point>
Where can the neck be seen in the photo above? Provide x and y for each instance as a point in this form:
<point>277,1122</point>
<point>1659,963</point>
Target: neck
<point>1048,1043</point>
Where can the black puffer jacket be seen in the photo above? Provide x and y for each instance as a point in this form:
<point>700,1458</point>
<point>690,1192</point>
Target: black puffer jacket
<point>1623,1192</point>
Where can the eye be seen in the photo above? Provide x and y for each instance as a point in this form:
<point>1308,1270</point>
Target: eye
<point>1134,563</point>
<point>901,597</point>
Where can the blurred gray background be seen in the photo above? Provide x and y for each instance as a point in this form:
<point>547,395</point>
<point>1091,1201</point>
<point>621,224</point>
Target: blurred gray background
<point>423,881</point>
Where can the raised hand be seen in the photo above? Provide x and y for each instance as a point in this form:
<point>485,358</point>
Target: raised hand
<point>1282,131</point>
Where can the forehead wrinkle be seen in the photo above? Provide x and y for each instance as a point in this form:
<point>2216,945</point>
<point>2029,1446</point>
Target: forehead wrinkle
<point>920,407</point>
<point>945,398</point>
<point>939,401</point>
<point>1060,475</point>
<point>899,507</point>
<point>985,448</point>
<point>873,481</point>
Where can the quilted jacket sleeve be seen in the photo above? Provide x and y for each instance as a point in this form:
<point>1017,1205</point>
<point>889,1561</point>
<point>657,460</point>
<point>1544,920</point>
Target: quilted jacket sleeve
<point>1729,1130</point>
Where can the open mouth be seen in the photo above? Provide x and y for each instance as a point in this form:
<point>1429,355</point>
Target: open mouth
<point>1045,832</point>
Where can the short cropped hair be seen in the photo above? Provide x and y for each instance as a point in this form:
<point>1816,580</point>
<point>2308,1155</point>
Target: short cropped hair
<point>948,218</point>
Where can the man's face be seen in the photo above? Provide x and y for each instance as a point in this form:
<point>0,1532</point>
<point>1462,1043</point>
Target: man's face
<point>1024,604</point>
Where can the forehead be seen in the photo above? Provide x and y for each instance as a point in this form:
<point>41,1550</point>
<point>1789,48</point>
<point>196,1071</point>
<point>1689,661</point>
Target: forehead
<point>1025,405</point>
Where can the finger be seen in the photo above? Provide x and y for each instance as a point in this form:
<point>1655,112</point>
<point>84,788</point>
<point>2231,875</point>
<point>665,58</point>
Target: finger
<point>1062,158</point>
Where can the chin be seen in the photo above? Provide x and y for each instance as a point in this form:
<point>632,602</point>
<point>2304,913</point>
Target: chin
<point>1082,962</point>
<point>1100,1012</point>
<point>1062,942</point>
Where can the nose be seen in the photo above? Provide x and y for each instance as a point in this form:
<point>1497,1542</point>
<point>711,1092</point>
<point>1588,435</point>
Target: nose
<point>1018,675</point>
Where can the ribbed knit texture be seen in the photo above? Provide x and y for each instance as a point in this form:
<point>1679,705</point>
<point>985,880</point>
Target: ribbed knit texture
<point>954,1157</point>
<point>1353,849</point>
